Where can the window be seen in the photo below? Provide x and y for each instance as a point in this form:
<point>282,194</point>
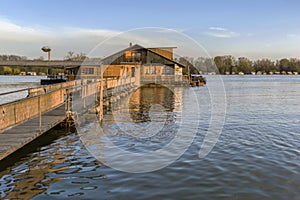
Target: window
<point>132,71</point>
<point>90,70</point>
<point>147,69</point>
<point>153,70</point>
<point>168,70</point>
<point>128,54</point>
<point>138,56</point>
<point>87,71</point>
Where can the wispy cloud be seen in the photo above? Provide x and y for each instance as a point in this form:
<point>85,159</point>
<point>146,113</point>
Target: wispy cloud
<point>28,40</point>
<point>14,38</point>
<point>90,32</point>
<point>292,35</point>
<point>12,31</point>
<point>220,32</point>
<point>217,28</point>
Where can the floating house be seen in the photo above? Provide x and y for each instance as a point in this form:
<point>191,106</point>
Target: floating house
<point>146,65</point>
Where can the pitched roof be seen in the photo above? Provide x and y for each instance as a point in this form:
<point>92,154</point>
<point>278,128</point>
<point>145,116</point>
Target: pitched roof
<point>171,60</point>
<point>137,46</point>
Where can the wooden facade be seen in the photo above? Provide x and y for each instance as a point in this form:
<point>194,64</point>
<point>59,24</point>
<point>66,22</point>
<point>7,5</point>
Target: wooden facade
<point>135,61</point>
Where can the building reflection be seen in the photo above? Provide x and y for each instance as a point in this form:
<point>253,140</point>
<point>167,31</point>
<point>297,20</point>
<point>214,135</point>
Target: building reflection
<point>145,97</point>
<point>31,178</point>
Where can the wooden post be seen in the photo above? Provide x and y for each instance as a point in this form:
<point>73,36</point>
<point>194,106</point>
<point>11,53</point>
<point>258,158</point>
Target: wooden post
<point>15,113</point>
<point>83,89</point>
<point>100,110</point>
<point>68,101</point>
<point>40,113</point>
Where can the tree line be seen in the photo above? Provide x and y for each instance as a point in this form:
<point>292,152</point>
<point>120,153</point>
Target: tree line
<point>220,64</point>
<point>230,65</point>
<point>16,70</point>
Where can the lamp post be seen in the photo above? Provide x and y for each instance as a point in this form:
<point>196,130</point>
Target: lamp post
<point>48,50</point>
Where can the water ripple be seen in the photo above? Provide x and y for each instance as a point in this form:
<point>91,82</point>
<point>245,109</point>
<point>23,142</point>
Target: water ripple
<point>256,157</point>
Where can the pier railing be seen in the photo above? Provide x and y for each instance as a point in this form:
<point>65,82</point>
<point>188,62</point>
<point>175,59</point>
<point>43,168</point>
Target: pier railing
<point>164,79</point>
<point>18,111</point>
<point>46,98</point>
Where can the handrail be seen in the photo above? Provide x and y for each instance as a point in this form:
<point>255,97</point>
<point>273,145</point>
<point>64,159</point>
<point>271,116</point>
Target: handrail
<point>49,97</point>
<point>11,92</point>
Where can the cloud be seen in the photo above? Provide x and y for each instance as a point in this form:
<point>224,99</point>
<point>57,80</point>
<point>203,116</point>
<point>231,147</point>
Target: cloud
<point>220,32</point>
<point>13,32</point>
<point>27,40</point>
<point>291,35</point>
<point>217,28</point>
<point>89,32</point>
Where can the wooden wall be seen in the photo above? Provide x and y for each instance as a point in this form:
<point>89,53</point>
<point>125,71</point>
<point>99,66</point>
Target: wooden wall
<point>166,52</point>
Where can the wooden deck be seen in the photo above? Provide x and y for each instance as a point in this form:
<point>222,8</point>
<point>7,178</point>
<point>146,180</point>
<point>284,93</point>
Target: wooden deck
<point>24,120</point>
<point>18,136</point>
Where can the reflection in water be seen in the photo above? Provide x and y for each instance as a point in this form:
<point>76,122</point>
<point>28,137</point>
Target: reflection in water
<point>144,124</point>
<point>145,97</point>
<point>146,120</point>
<point>31,178</point>
<point>257,156</point>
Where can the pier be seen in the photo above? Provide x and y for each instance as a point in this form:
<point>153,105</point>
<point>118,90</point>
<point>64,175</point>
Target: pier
<point>96,84</point>
<point>24,120</point>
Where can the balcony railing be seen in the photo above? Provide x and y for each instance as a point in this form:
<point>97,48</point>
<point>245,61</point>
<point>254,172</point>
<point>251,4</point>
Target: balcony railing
<point>164,79</point>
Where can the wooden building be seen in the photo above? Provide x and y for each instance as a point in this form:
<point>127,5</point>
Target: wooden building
<point>146,65</point>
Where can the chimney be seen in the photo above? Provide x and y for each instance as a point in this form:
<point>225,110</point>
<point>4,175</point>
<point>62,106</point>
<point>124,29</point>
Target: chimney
<point>130,44</point>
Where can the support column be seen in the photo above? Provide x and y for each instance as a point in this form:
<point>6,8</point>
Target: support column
<point>100,107</point>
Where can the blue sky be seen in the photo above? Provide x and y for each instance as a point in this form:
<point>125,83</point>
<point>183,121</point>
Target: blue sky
<point>256,28</point>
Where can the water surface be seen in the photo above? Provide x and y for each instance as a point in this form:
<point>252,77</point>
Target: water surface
<point>256,157</point>
<point>12,83</point>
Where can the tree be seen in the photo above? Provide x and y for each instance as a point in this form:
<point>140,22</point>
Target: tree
<point>188,62</point>
<point>72,57</point>
<point>264,65</point>
<point>224,63</point>
<point>293,64</point>
<point>69,55</point>
<point>201,64</point>
<point>16,70</point>
<point>7,70</point>
<point>219,63</point>
<point>244,65</point>
<point>284,65</point>
<point>41,58</point>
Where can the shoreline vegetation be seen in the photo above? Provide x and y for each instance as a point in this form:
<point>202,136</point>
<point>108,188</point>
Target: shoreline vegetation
<point>227,65</point>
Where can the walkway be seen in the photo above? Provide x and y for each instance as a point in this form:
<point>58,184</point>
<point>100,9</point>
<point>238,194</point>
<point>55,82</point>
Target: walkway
<point>18,136</point>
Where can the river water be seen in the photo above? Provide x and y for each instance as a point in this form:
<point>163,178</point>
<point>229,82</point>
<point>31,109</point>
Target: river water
<point>257,155</point>
<point>12,83</point>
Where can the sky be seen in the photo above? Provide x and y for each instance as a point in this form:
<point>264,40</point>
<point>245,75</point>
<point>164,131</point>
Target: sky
<point>254,28</point>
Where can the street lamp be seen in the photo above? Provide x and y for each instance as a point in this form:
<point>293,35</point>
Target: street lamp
<point>48,50</point>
